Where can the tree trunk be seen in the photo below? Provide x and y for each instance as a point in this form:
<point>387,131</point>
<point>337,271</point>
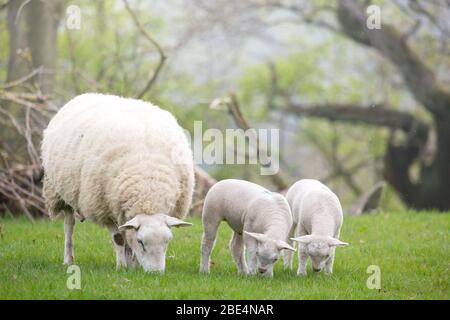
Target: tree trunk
<point>33,27</point>
<point>433,184</point>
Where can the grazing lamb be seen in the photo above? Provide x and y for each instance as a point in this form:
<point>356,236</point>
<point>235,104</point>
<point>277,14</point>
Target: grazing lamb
<point>318,217</point>
<point>124,164</point>
<point>261,220</point>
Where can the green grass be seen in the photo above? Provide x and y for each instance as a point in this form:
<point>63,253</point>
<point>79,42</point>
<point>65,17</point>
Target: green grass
<point>412,250</point>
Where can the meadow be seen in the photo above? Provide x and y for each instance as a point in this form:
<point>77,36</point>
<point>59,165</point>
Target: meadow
<point>411,249</point>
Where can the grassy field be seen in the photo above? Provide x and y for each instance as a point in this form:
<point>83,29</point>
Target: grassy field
<point>412,250</point>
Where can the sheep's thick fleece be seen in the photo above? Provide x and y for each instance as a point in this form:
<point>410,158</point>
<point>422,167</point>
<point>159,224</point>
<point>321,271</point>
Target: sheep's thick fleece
<point>111,158</point>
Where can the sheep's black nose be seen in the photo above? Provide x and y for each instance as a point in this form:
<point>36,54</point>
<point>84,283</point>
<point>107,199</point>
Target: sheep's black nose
<point>316,270</point>
<point>261,270</point>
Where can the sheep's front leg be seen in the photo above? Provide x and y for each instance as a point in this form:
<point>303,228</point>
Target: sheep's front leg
<point>330,262</point>
<point>210,226</point>
<point>237,250</point>
<point>302,251</point>
<point>118,240</point>
<point>130,257</point>
<point>288,254</point>
<point>69,223</point>
<point>251,247</point>
<point>302,260</point>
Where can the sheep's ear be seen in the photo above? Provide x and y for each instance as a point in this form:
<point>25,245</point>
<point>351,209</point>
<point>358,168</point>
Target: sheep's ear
<point>257,236</point>
<point>175,222</point>
<point>284,245</point>
<point>132,224</point>
<point>303,239</point>
<point>333,242</point>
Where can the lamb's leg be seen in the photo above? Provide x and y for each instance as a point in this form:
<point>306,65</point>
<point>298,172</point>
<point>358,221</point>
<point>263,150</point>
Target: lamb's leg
<point>302,252</point>
<point>118,240</point>
<point>288,254</point>
<point>237,250</point>
<point>302,260</point>
<point>210,226</point>
<point>69,223</point>
<point>330,262</point>
<point>251,247</point>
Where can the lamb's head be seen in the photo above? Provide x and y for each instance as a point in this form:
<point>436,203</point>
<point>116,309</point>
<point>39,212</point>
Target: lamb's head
<point>268,251</point>
<point>148,236</point>
<point>319,248</point>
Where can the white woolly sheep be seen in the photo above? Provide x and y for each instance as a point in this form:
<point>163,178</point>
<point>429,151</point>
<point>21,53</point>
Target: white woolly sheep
<point>261,220</point>
<point>124,164</point>
<point>317,216</point>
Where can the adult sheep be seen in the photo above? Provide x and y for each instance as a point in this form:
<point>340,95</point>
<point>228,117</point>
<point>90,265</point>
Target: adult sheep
<point>124,164</point>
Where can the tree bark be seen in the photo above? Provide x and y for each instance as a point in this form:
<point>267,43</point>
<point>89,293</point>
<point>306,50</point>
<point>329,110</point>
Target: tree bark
<point>33,27</point>
<point>431,189</point>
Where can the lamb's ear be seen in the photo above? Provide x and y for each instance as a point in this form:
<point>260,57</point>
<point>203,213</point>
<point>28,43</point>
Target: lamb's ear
<point>131,224</point>
<point>333,242</point>
<point>175,222</point>
<point>303,239</point>
<point>284,245</point>
<point>257,236</point>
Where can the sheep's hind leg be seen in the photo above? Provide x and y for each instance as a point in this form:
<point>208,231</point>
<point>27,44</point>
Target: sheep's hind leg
<point>69,223</point>
<point>237,249</point>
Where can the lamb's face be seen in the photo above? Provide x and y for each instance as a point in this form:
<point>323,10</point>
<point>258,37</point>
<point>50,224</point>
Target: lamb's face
<point>149,236</point>
<point>268,252</point>
<point>319,249</point>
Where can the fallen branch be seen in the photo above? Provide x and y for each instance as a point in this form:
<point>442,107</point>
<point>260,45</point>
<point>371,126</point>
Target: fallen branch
<point>233,106</point>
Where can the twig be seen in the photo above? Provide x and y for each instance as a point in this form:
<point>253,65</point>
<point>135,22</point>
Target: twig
<point>162,57</point>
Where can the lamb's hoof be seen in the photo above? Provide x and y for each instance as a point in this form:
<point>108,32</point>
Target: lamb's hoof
<point>204,271</point>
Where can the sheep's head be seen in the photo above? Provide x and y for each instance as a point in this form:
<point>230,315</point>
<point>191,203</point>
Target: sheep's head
<point>148,236</point>
<point>268,251</point>
<point>319,248</point>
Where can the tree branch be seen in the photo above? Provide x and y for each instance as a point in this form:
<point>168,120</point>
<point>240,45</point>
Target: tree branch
<point>376,115</point>
<point>235,110</point>
<point>420,79</point>
<point>162,56</point>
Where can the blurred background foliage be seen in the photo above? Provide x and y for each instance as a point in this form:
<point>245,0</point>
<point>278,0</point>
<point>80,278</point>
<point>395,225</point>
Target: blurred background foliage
<point>274,55</point>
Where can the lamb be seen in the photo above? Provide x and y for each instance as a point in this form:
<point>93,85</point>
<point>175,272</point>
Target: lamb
<point>317,216</point>
<point>124,164</point>
<point>260,220</point>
